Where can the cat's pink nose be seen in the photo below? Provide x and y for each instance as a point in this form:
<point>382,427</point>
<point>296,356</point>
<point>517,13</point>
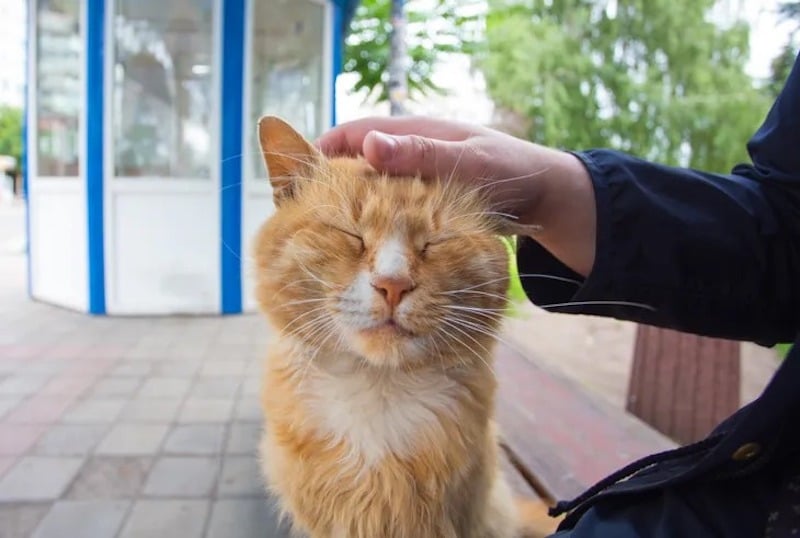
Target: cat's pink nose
<point>392,288</point>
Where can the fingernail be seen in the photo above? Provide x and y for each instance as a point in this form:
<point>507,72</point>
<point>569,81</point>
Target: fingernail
<point>385,145</point>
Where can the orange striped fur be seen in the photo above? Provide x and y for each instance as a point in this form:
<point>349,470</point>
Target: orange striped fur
<point>379,410</point>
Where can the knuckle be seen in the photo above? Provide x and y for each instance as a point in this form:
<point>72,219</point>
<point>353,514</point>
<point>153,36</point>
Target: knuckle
<point>424,148</point>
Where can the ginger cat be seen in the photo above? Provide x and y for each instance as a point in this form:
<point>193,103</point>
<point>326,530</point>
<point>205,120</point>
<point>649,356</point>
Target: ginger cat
<point>378,392</point>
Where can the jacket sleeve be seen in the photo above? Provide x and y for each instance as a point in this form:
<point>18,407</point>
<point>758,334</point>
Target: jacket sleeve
<point>711,254</point>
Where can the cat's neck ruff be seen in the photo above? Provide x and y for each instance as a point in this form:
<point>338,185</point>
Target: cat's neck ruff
<point>376,411</point>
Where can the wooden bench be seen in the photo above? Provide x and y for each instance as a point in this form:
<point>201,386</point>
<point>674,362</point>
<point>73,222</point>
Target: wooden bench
<point>682,384</point>
<point>558,439</point>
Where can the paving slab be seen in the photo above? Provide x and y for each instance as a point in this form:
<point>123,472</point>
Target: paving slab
<point>167,518</point>
<point>245,518</point>
<point>38,478</point>
<point>84,519</point>
<point>182,477</point>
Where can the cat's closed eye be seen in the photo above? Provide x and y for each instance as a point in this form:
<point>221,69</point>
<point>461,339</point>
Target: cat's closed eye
<point>435,242</point>
<point>358,240</point>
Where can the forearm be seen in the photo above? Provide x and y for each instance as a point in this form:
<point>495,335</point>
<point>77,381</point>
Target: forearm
<point>566,210</point>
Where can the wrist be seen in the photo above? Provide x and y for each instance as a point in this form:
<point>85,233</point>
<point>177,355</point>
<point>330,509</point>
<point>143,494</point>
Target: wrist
<point>565,209</point>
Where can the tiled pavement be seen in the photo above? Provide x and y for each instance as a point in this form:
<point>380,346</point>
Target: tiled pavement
<point>128,427</point>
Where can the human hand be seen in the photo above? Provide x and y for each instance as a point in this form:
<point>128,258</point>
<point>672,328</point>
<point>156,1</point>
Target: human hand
<point>433,148</point>
<point>537,187</point>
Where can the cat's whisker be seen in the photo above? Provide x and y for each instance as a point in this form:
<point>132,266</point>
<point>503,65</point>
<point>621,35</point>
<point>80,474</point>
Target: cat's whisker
<point>328,331</point>
<point>451,323</point>
<point>313,165</point>
<point>488,182</point>
<point>231,158</point>
<point>295,282</point>
<point>455,167</point>
<point>490,321</point>
<point>303,301</point>
<point>246,260</point>
<point>473,308</point>
<point>309,328</point>
<point>480,329</point>
<point>443,334</point>
<point>302,316</point>
<point>600,303</point>
<point>524,275</point>
<point>304,160</point>
<point>458,295</point>
<point>313,276</point>
<point>481,214</point>
<point>232,185</point>
<point>485,320</point>
<point>312,333</point>
<point>313,341</point>
<point>438,353</point>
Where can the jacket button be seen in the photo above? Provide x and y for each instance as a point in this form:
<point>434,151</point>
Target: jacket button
<point>746,452</point>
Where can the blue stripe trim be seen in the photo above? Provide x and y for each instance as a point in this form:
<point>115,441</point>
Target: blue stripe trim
<point>94,31</point>
<point>26,157</point>
<point>338,55</point>
<point>233,38</point>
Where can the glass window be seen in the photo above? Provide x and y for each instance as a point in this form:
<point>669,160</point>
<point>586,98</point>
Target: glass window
<point>287,67</point>
<point>58,88</point>
<point>163,88</point>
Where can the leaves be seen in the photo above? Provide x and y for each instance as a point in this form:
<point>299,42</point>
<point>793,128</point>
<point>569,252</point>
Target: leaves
<point>655,78</point>
<point>11,132</point>
<point>435,28</point>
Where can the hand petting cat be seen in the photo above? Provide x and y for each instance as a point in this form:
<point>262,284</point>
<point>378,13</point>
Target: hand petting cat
<point>547,190</point>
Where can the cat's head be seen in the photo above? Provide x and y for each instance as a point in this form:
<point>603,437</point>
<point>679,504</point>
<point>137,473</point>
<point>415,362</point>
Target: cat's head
<point>394,270</point>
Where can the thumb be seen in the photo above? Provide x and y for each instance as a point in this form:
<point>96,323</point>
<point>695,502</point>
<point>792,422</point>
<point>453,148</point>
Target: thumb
<point>408,155</point>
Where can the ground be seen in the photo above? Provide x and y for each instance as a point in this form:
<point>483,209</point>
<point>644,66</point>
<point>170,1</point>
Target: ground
<point>134,428</point>
<point>145,427</point>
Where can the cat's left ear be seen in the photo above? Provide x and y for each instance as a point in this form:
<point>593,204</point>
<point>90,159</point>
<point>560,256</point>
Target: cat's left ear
<point>288,156</point>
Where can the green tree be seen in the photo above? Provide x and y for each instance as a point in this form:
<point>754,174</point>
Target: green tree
<point>790,10</point>
<point>780,67</point>
<point>11,132</point>
<point>782,64</point>
<point>433,29</point>
<point>655,78</point>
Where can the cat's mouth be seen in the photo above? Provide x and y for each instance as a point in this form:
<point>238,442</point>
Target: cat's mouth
<point>389,327</point>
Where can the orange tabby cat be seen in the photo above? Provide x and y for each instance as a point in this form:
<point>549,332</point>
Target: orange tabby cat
<point>379,392</point>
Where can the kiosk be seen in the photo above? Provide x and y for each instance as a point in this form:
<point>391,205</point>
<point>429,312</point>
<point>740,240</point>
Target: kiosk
<point>143,175</point>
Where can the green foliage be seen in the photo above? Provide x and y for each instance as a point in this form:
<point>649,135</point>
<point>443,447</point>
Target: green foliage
<point>790,10</point>
<point>654,78</point>
<point>782,350</point>
<point>516,294</point>
<point>780,68</point>
<point>782,64</point>
<point>11,132</point>
<point>435,28</point>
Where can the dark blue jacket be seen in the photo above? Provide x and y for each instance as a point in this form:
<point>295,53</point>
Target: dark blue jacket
<point>717,255</point>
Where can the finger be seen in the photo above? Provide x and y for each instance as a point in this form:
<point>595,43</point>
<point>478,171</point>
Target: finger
<point>409,155</point>
<point>348,138</point>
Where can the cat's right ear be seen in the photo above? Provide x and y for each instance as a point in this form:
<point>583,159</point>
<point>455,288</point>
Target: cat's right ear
<point>288,156</point>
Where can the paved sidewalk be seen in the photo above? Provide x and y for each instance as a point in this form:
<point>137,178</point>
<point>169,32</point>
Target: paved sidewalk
<point>129,427</point>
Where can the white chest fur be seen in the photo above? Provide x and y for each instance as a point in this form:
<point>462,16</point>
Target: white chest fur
<point>378,414</point>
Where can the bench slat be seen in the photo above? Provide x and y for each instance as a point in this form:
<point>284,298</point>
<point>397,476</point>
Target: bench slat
<point>561,435</point>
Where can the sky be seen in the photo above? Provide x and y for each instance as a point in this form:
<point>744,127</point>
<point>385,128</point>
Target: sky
<point>767,34</point>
